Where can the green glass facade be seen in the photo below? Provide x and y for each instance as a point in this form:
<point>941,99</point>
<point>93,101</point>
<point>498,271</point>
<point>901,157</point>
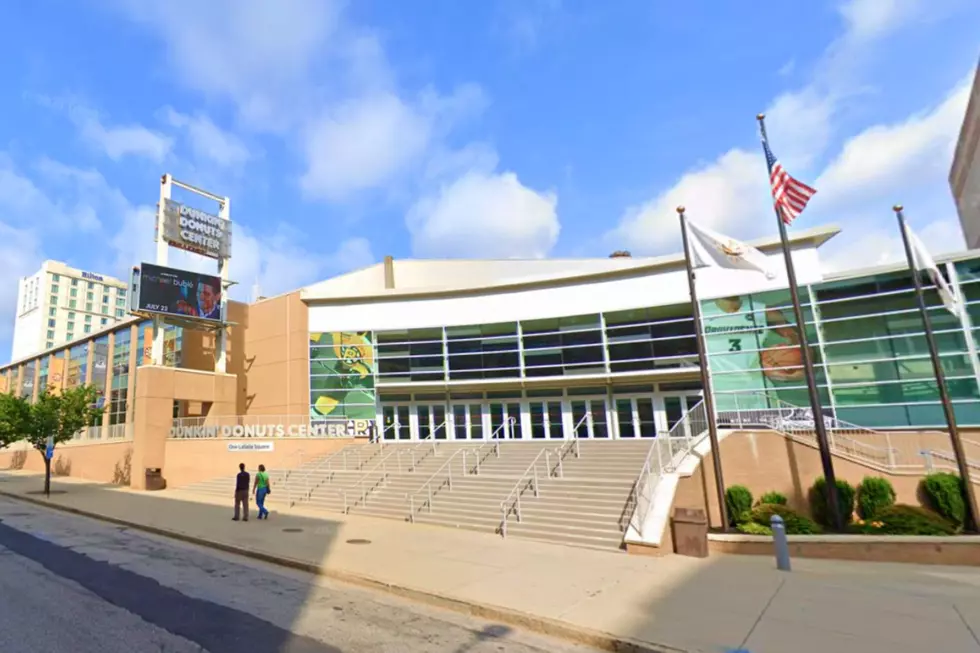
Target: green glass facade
<point>869,349</point>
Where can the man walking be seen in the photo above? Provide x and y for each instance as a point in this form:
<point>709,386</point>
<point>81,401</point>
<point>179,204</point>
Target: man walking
<point>241,493</point>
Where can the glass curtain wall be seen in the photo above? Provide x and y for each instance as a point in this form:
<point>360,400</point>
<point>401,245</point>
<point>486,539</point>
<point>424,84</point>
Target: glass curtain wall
<point>100,367</point>
<point>870,353</point>
<point>119,391</point>
<point>77,365</point>
<point>633,341</point>
<point>27,379</point>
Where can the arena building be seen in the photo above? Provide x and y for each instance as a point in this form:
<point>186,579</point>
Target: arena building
<point>516,350</point>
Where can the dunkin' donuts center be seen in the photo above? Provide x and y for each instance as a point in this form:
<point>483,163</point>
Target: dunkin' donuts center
<point>577,377</point>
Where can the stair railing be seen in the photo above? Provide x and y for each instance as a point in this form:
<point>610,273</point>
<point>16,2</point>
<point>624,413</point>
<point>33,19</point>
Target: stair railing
<point>363,484</point>
<point>570,446</point>
<point>528,481</point>
<point>430,488</point>
<point>427,446</point>
<point>491,448</point>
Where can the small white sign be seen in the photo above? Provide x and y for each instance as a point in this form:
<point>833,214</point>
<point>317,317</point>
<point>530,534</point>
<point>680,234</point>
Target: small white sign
<point>251,446</point>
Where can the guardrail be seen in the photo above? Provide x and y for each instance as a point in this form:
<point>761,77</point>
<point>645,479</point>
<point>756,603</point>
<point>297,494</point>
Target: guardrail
<point>428,488</point>
<point>322,469</point>
<point>492,446</point>
<point>661,457</point>
<point>96,434</point>
<point>361,483</point>
<point>571,446</point>
<point>427,445</point>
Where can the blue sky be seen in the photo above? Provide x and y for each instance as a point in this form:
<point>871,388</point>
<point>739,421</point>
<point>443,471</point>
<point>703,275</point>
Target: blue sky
<point>434,128</point>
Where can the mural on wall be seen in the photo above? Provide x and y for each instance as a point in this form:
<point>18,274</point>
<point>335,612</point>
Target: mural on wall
<point>754,351</point>
<point>342,375</point>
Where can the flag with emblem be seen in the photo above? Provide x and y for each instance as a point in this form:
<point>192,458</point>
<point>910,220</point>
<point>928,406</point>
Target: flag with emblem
<point>925,263</point>
<point>711,249</point>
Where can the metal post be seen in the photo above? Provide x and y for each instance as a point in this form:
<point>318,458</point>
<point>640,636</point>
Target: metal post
<point>826,459</point>
<point>973,517</point>
<point>780,543</point>
<point>166,188</point>
<point>709,403</point>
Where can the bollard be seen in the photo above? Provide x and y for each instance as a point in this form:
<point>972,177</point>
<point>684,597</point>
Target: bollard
<point>780,543</point>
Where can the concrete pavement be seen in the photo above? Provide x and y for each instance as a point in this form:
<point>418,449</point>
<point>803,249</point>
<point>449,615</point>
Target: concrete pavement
<point>69,584</point>
<point>602,598</point>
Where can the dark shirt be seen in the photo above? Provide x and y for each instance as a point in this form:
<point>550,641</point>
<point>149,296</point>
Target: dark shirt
<point>241,482</point>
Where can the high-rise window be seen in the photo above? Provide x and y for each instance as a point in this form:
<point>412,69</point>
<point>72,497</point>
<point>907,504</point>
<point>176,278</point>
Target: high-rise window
<point>120,376</point>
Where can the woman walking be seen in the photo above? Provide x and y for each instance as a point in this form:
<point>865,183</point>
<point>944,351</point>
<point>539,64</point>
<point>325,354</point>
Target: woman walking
<point>262,490</point>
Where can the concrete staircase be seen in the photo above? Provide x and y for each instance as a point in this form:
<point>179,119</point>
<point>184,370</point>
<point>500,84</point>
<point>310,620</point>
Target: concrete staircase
<point>580,500</point>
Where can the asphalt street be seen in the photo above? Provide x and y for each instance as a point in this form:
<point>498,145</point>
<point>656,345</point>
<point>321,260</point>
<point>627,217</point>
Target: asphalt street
<point>73,585</point>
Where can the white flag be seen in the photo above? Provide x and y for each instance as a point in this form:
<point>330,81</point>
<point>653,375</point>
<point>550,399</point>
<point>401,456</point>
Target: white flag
<point>923,261</point>
<point>711,249</point>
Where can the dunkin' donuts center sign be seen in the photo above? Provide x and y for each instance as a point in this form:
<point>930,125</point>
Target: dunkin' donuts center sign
<point>353,428</point>
<point>194,230</point>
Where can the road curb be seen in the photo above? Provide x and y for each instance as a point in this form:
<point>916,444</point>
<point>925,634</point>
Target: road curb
<point>541,625</point>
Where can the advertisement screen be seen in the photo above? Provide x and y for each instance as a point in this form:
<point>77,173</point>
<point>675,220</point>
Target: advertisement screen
<point>177,292</point>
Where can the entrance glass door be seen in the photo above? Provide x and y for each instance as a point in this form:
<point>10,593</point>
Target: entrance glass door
<point>467,421</point>
<point>546,419</point>
<point>675,406</point>
<point>396,420</point>
<point>593,411</point>
<point>636,417</point>
<point>505,420</point>
<point>432,418</point>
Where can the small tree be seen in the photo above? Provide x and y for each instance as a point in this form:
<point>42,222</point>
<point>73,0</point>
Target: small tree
<point>55,416</point>
<point>14,415</point>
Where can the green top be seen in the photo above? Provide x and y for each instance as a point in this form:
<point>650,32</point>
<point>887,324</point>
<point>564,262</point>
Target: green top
<point>262,479</point>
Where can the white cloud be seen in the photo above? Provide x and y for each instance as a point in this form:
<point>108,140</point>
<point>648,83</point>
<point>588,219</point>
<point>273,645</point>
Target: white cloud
<point>361,144</point>
<point>209,142</point>
<point>731,194</point>
<point>894,157</point>
<point>485,215</point>
<point>256,52</point>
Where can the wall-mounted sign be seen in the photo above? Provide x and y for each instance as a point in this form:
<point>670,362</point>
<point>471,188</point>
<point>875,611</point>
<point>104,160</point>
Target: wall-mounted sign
<point>337,428</point>
<point>168,291</point>
<point>194,230</point>
<point>92,276</point>
<point>251,446</point>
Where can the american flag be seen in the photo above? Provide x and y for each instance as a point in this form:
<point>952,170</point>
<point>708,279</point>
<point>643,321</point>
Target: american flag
<point>790,195</point>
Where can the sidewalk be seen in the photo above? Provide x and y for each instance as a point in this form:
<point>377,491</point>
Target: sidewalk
<point>720,604</point>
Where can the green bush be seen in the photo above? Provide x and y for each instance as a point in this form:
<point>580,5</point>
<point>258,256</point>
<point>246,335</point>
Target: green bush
<point>795,523</point>
<point>773,498</point>
<point>818,502</point>
<point>738,499</point>
<point>907,520</point>
<point>873,495</point>
<point>944,492</point>
<point>751,528</point>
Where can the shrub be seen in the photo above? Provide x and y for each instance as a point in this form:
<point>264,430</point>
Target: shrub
<point>738,499</point>
<point>912,520</point>
<point>874,494</point>
<point>944,492</point>
<point>795,523</point>
<point>751,528</point>
<point>818,501</point>
<point>773,498</point>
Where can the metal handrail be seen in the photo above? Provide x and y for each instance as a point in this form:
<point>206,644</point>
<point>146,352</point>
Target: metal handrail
<point>306,491</point>
<point>383,466</point>
<point>492,445</point>
<point>427,486</point>
<point>529,479</point>
<point>691,438</point>
<point>424,443</point>
<point>569,446</point>
<point>929,454</point>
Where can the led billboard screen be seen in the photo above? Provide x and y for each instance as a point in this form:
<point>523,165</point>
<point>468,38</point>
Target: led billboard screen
<point>168,291</point>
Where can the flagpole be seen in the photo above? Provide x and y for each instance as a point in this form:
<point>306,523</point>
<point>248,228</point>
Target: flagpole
<point>937,368</point>
<point>823,444</point>
<point>709,402</point>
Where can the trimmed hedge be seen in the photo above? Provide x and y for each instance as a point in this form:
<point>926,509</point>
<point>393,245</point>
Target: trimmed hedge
<point>738,500</point>
<point>902,519</point>
<point>818,502</point>
<point>751,528</point>
<point>773,498</point>
<point>945,494</point>
<point>795,523</point>
<point>874,494</point>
